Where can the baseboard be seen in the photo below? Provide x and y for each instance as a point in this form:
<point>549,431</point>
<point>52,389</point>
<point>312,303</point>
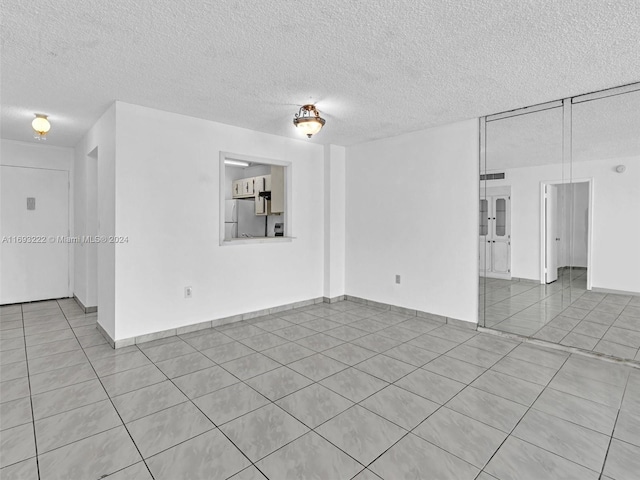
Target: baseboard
<point>355,299</point>
<point>149,337</point>
<point>616,292</point>
<point>106,336</point>
<point>525,280</point>
<point>456,322</point>
<point>365,301</point>
<point>85,309</point>
<point>497,276</point>
<point>339,298</point>
<point>417,313</point>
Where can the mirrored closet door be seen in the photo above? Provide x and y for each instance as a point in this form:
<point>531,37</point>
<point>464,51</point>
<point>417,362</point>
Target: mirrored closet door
<point>559,222</point>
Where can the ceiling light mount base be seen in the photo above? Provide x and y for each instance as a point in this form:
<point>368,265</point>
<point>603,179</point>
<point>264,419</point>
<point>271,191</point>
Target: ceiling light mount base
<point>41,126</point>
<point>308,120</point>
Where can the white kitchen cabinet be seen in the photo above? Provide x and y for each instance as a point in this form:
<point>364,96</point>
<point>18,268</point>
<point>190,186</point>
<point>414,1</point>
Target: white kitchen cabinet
<point>277,189</point>
<point>248,186</point>
<point>262,184</point>
<point>251,188</point>
<point>243,188</point>
<point>236,188</point>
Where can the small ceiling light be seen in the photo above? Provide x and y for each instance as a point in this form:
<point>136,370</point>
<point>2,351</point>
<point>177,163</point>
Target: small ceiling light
<point>41,126</point>
<point>308,120</point>
<point>621,168</point>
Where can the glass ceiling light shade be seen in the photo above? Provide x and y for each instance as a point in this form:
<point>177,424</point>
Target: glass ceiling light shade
<point>41,126</point>
<point>308,120</point>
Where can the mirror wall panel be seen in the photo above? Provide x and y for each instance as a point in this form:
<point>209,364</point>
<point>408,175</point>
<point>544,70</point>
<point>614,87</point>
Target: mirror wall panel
<point>521,151</point>
<point>559,222</point>
<point>606,157</point>
<point>606,138</point>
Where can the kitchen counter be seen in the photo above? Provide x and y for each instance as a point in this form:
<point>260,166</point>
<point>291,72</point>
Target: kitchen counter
<point>254,240</point>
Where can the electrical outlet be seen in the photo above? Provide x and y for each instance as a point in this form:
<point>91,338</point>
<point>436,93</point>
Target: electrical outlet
<point>398,279</point>
<point>188,292</point>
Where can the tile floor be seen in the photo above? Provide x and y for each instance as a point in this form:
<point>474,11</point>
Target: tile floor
<point>323,392</point>
<point>565,313</point>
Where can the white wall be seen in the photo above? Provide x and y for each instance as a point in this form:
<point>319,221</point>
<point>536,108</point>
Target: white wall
<point>41,155</point>
<point>35,155</point>
<point>616,223</point>
<point>94,262</point>
<point>412,210</point>
<point>615,230</point>
<point>167,195</point>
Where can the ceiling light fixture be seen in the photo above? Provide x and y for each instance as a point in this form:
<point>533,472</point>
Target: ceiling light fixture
<point>41,126</point>
<point>308,120</point>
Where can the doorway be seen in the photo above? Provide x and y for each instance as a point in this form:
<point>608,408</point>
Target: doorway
<point>565,224</point>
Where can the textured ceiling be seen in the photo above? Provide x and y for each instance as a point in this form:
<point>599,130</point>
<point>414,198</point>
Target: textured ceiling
<point>375,69</point>
<point>608,127</point>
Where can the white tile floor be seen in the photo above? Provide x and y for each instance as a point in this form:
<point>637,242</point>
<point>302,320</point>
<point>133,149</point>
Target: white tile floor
<point>324,392</point>
<point>565,313</point>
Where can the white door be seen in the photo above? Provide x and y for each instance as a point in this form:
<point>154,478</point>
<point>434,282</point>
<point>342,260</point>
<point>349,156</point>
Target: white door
<point>485,242</point>
<point>34,212</point>
<point>552,237</point>
<point>501,237</point>
<point>495,236</point>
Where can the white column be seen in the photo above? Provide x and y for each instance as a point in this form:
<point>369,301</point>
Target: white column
<point>334,220</point>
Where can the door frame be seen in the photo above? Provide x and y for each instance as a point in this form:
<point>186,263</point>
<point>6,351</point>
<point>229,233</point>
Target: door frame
<point>543,229</point>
